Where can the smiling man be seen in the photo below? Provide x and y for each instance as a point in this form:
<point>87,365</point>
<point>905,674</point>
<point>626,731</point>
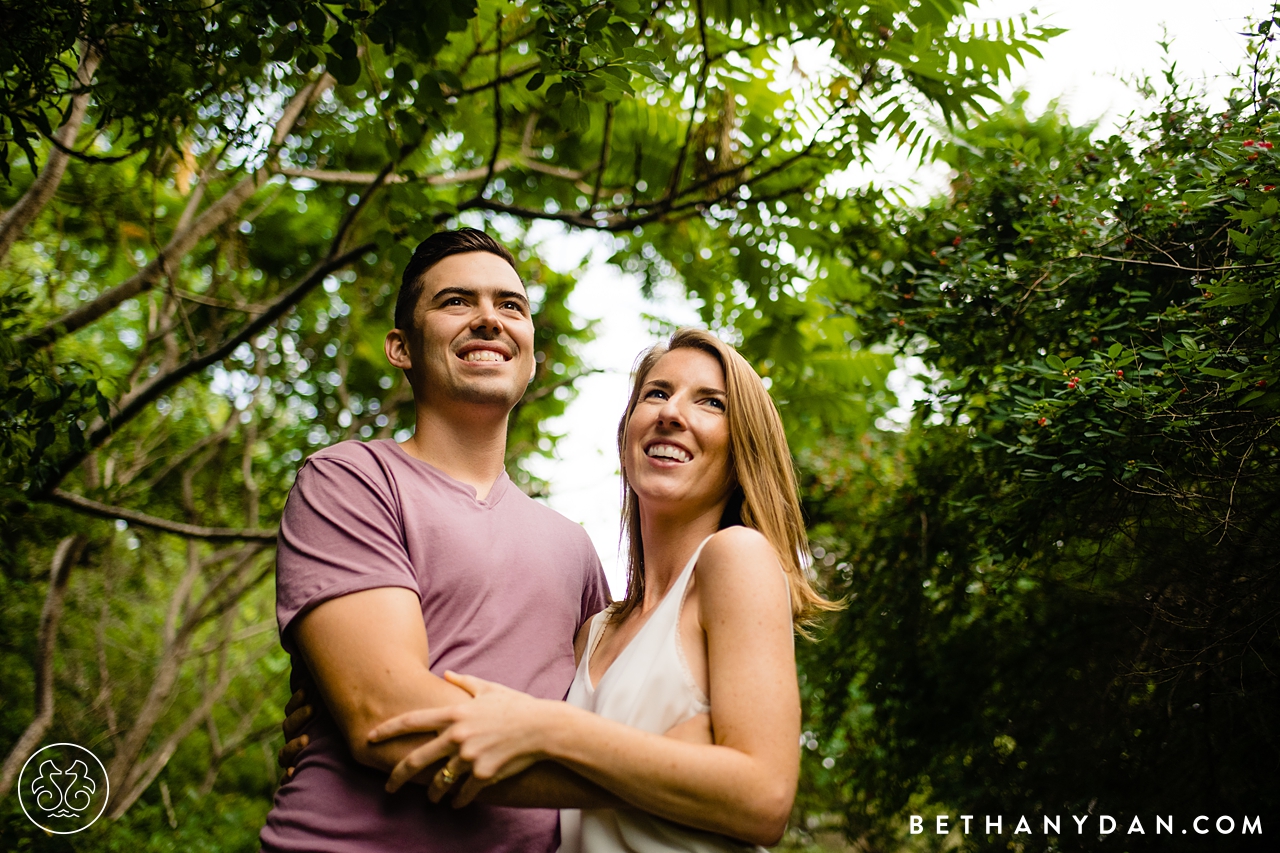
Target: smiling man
<point>399,561</point>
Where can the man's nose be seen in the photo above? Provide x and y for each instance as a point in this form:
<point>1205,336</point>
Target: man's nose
<point>487,318</point>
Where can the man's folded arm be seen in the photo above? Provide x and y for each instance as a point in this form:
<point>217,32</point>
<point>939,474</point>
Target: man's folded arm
<point>368,654</point>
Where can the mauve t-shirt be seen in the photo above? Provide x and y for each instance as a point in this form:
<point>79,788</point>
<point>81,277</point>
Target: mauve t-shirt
<point>504,583</point>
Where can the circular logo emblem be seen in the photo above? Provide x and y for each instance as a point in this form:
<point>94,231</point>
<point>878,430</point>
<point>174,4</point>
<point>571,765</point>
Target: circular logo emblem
<point>63,788</point>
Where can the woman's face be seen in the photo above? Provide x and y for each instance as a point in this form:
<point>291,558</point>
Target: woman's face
<point>677,442</point>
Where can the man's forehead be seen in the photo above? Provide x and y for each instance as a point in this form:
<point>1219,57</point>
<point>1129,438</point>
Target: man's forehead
<point>474,271</point>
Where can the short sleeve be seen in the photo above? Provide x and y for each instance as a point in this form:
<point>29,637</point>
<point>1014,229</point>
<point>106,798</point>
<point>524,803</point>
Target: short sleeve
<point>595,589</point>
<point>341,532</point>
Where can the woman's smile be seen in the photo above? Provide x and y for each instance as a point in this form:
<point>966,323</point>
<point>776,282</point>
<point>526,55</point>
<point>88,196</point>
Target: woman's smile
<point>678,434</point>
<point>666,451</point>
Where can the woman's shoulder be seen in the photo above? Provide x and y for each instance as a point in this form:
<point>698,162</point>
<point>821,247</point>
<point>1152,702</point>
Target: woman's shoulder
<point>737,550</point>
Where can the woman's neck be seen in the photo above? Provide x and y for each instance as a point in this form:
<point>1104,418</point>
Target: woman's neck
<point>669,540</point>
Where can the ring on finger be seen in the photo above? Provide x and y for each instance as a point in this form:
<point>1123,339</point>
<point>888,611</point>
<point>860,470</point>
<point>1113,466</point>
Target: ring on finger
<point>447,776</point>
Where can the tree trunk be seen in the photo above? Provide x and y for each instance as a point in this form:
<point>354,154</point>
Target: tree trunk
<point>64,559</point>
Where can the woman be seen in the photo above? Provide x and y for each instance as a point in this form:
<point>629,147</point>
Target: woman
<point>700,649</point>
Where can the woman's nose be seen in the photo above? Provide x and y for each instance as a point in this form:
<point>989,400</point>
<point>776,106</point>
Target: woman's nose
<point>669,413</point>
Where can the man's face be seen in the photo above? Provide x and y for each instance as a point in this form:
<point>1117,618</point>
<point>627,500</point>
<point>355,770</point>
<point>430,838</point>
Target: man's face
<point>473,334</point>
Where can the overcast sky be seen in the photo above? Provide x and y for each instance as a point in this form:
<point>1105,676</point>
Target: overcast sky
<point>1108,42</point>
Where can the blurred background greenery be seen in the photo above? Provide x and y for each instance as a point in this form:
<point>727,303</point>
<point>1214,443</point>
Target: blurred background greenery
<point>1061,576</point>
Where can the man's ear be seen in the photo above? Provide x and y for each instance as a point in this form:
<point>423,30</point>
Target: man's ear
<point>396,347</point>
<point>533,372</point>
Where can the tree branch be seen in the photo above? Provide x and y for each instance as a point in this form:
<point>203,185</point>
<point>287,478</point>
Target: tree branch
<point>514,74</point>
<point>497,108</point>
<point>135,402</point>
<point>18,217</point>
<point>190,531</point>
<point>605,144</point>
<point>1231,268</point>
<point>182,241</point>
<point>673,186</point>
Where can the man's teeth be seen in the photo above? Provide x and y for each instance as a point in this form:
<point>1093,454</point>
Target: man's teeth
<point>483,355</point>
<point>669,451</point>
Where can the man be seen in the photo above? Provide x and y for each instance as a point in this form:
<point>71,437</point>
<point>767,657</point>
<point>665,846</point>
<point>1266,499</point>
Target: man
<point>399,561</point>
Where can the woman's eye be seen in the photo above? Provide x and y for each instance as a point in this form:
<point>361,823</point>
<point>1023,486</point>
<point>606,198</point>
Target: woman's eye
<point>716,402</point>
<point>655,393</point>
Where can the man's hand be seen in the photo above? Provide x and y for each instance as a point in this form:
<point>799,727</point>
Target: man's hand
<point>298,712</point>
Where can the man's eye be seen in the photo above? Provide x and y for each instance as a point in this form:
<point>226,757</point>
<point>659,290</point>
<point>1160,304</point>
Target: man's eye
<point>453,300</point>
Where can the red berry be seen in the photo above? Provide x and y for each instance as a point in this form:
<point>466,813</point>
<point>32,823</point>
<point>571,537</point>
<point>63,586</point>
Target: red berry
<point>1262,383</point>
<point>956,241</point>
<point>1252,157</point>
<point>1264,145</point>
<point>1120,373</point>
<point>1042,421</point>
<point>1248,143</point>
<point>1268,188</point>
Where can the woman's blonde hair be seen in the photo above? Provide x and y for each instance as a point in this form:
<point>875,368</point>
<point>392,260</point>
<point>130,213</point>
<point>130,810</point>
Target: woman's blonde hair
<point>765,495</point>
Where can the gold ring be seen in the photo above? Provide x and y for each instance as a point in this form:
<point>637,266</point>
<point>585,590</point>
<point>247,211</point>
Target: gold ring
<point>447,776</point>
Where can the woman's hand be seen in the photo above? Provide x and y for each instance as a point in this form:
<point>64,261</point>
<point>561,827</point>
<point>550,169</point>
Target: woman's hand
<point>495,736</point>
<point>298,712</point>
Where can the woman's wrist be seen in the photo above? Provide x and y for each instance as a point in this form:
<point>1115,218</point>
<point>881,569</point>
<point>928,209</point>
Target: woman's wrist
<point>555,727</point>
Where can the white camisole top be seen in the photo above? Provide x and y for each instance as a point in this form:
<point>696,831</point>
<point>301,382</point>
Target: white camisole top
<point>648,686</point>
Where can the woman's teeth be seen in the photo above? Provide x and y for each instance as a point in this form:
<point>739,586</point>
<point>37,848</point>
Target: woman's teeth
<point>668,451</point>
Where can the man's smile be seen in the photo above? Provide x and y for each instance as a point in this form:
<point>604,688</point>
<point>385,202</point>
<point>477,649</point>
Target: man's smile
<point>487,351</point>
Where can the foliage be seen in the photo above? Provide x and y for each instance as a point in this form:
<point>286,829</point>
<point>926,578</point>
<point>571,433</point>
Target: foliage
<point>1063,597</point>
<point>206,207</point>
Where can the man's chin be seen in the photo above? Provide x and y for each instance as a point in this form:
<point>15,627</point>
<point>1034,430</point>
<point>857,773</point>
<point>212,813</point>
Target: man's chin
<point>489,394</point>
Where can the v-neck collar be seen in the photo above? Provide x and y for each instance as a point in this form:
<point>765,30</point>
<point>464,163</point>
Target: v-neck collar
<point>688,569</point>
<point>496,491</point>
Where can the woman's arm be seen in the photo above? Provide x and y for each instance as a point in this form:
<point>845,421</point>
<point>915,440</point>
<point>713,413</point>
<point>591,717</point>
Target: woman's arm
<point>743,785</point>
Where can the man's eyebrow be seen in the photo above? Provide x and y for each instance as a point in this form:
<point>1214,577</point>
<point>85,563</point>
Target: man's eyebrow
<point>447,292</point>
<point>513,294</point>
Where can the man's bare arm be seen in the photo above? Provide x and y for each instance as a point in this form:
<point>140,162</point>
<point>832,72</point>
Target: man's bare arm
<point>368,654</point>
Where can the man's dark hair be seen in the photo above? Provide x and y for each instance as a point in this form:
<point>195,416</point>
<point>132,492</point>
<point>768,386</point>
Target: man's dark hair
<point>432,251</point>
